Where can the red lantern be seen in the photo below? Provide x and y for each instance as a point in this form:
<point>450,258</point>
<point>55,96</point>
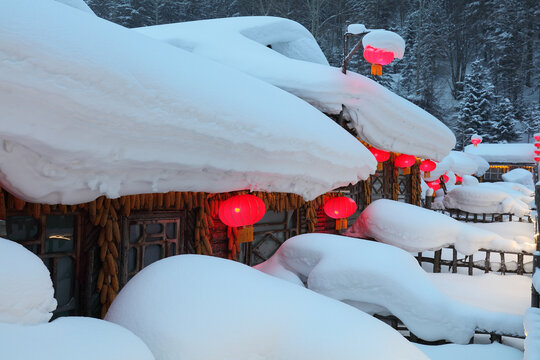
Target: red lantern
<point>242,211</point>
<point>459,180</point>
<point>435,185</point>
<point>427,166</point>
<point>537,137</point>
<point>380,155</point>
<point>405,162</point>
<point>377,58</point>
<point>537,158</point>
<point>537,152</point>
<point>537,145</point>
<point>445,178</point>
<point>340,208</point>
<point>476,141</point>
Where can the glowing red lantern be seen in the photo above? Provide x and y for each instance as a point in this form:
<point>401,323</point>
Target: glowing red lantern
<point>459,180</point>
<point>435,185</point>
<point>340,208</point>
<point>476,141</point>
<point>537,158</point>
<point>242,211</point>
<point>445,178</point>
<point>537,137</point>
<point>537,152</point>
<point>377,58</point>
<point>405,162</point>
<point>380,155</point>
<point>427,166</point>
<point>537,145</point>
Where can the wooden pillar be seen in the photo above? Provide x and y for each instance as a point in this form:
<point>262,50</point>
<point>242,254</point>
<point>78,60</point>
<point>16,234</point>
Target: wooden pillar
<point>535,298</point>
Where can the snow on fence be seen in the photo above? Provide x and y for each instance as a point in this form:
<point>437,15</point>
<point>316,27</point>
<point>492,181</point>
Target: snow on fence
<point>462,215</point>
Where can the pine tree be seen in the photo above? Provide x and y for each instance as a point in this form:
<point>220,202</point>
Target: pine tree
<point>505,122</point>
<point>475,105</point>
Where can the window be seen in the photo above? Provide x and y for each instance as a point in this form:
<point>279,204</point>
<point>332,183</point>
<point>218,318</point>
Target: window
<point>148,238</point>
<point>52,238</point>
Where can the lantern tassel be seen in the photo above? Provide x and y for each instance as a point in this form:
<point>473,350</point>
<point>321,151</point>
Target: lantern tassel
<point>406,171</point>
<point>427,174</point>
<point>341,224</point>
<point>379,166</point>
<point>245,234</point>
<point>376,69</point>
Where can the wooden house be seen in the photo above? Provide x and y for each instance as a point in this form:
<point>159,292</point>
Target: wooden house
<point>110,162</point>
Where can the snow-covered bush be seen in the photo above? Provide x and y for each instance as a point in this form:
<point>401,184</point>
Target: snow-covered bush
<point>204,308</point>
<point>27,294</point>
<point>520,176</point>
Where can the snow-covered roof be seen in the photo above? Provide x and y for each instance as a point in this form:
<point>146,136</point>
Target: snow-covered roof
<point>461,164</point>
<point>78,4</point>
<point>295,63</point>
<point>504,153</point>
<point>92,108</point>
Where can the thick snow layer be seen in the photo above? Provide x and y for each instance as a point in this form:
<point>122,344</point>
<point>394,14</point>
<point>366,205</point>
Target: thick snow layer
<point>385,40</point>
<point>196,307</point>
<point>496,198</point>
<point>71,338</point>
<point>509,294</point>
<point>532,330</point>
<point>520,232</point>
<point>504,153</point>
<point>520,176</point>
<point>356,28</point>
<point>493,351</point>
<point>382,118</point>
<point>90,108</point>
<point>460,163</point>
<point>78,4</point>
<point>414,229</point>
<point>384,279</point>
<point>27,295</point>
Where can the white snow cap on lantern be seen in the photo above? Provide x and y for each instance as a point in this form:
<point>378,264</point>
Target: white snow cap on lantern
<point>385,40</point>
<point>476,136</point>
<point>356,29</point>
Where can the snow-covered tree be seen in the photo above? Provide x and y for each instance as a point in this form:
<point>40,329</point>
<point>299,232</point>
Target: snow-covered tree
<point>504,122</point>
<point>475,105</point>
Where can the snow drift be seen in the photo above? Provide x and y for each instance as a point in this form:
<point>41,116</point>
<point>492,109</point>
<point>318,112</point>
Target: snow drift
<point>198,307</point>
<point>70,338</point>
<point>414,229</point>
<point>382,118</point>
<point>520,176</point>
<point>383,279</point>
<point>460,163</point>
<point>27,295</point>
<point>90,108</point>
<point>490,198</point>
<point>493,351</point>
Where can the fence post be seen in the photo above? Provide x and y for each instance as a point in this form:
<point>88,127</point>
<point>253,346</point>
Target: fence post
<point>535,298</point>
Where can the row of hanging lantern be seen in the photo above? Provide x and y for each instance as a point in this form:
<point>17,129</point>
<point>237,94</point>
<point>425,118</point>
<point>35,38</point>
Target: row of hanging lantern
<point>537,146</point>
<point>242,211</point>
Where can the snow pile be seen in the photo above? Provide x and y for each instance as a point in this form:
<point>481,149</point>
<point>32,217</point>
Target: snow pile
<point>498,293</point>
<point>493,198</point>
<point>532,330</point>
<point>70,338</point>
<point>196,307</point>
<point>504,153</point>
<point>90,108</point>
<point>493,351</point>
<point>382,118</point>
<point>382,279</point>
<point>414,229</point>
<point>78,4</point>
<point>27,295</point>
<point>385,40</point>
<point>520,176</point>
<point>460,163</point>
<point>520,232</point>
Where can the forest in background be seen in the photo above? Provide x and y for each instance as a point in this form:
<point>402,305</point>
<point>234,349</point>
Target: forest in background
<point>472,64</point>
